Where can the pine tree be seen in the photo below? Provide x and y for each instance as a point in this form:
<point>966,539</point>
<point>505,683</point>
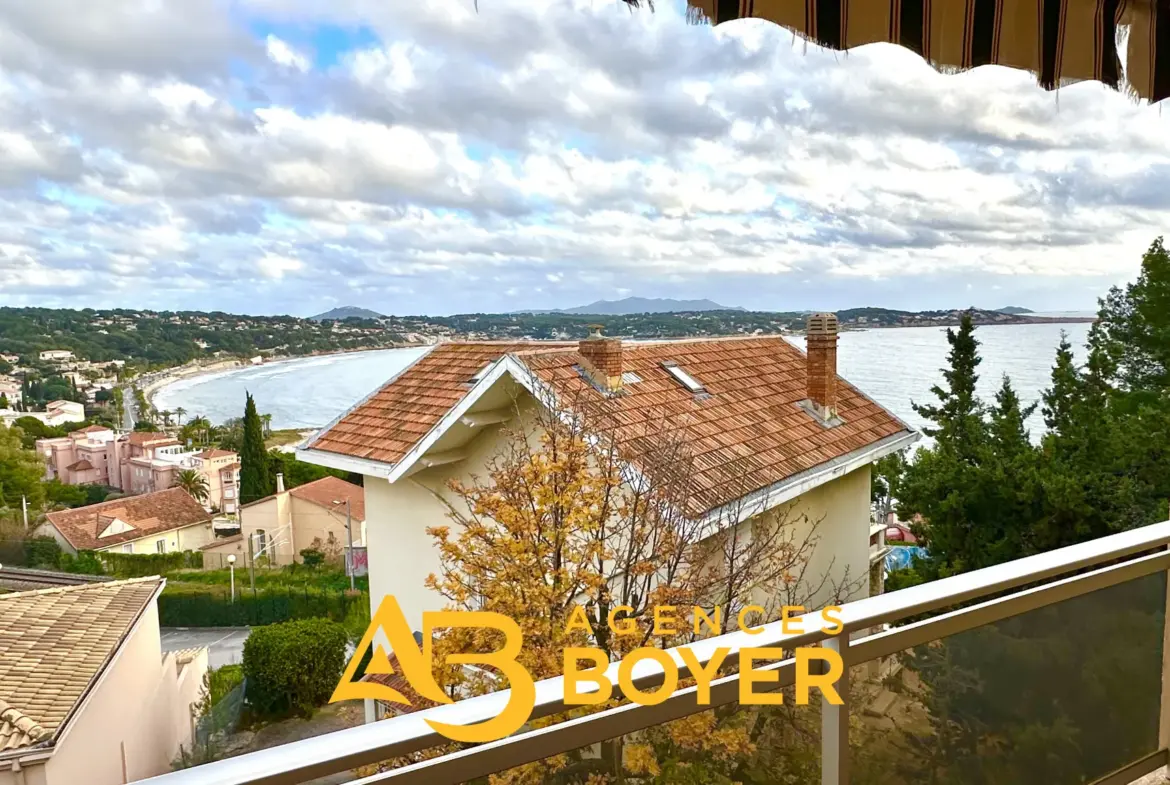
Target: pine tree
<point>1060,398</point>
<point>958,417</point>
<point>944,484</point>
<point>255,482</point>
<point>1008,429</point>
<point>3,400</point>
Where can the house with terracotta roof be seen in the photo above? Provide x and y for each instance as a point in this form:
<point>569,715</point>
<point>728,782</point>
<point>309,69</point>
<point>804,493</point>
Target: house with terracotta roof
<point>159,522</point>
<point>86,693</point>
<point>764,424</point>
<point>280,526</point>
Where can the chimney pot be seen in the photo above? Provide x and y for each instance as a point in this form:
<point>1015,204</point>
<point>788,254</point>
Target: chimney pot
<point>603,359</point>
<point>821,338</point>
<point>279,482</point>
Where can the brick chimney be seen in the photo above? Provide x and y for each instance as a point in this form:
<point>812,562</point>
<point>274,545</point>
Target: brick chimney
<point>821,337</point>
<point>603,358</point>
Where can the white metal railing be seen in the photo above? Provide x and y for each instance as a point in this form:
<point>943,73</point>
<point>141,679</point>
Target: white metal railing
<point>1038,581</point>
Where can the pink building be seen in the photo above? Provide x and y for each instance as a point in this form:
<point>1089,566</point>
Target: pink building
<point>139,463</point>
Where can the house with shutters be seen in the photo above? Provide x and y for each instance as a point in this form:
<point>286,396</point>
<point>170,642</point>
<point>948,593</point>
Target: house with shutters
<point>765,425</point>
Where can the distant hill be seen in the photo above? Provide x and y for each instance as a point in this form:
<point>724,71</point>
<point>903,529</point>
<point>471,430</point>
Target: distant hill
<point>347,312</point>
<point>1015,310</point>
<point>632,305</point>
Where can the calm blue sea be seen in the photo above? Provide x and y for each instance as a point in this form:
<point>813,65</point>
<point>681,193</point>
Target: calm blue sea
<point>894,366</point>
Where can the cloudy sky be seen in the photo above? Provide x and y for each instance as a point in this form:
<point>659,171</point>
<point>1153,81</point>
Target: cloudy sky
<point>288,156</point>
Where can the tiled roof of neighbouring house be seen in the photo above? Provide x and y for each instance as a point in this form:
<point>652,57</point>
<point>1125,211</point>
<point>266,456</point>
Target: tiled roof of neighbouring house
<point>79,466</point>
<point>327,490</point>
<point>750,433</point>
<point>388,423</point>
<point>91,429</point>
<point>144,439</point>
<point>747,431</point>
<point>149,513</point>
<point>210,454</point>
<point>54,644</point>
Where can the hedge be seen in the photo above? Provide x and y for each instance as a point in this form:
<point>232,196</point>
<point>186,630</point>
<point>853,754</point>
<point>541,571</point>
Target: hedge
<point>45,553</point>
<point>183,608</point>
<point>293,667</point>
<point>139,565</point>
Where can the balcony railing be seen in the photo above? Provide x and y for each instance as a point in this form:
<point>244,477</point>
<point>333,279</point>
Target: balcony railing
<point>1060,656</point>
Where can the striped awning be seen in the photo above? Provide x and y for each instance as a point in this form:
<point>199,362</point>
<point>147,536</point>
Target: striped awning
<point>1061,41</point>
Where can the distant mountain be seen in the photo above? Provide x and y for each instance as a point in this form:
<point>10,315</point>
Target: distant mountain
<point>347,312</point>
<point>632,305</point>
<point>1015,310</point>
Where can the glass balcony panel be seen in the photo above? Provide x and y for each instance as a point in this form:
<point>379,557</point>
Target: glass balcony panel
<point>1061,695</point>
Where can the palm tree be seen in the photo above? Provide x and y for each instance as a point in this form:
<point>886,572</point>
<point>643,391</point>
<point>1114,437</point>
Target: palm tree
<point>179,412</point>
<point>266,421</point>
<point>165,414</point>
<point>193,483</point>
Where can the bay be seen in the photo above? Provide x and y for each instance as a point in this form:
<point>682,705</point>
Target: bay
<point>896,367</point>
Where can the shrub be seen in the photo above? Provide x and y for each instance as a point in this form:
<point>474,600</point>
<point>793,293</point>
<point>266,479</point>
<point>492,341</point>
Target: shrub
<point>139,565</point>
<point>43,552</point>
<point>293,667</point>
<point>84,563</point>
<point>312,557</point>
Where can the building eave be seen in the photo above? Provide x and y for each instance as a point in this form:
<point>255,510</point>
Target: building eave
<point>308,449</point>
<point>752,504</point>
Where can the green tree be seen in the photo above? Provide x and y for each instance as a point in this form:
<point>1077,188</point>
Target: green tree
<point>194,483</point>
<point>179,412</point>
<point>3,400</point>
<point>958,417</point>
<point>255,480</point>
<point>943,484</point>
<point>21,471</point>
<point>1134,327</point>
<point>145,426</point>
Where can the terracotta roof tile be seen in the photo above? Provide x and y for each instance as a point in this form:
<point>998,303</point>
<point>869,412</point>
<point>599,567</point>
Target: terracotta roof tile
<point>389,422</point>
<point>749,434</point>
<point>149,513</point>
<point>145,439</point>
<point>54,643</point>
<point>79,466</point>
<point>91,429</point>
<point>210,454</point>
<point>325,491</point>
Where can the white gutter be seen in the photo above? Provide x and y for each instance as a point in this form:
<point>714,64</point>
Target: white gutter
<point>739,510</point>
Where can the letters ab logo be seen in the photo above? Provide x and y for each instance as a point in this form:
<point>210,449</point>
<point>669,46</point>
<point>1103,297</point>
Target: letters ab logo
<point>415,664</point>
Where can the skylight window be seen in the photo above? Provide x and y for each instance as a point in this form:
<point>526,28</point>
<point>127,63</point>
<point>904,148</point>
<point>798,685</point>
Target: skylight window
<point>629,377</point>
<point>683,378</point>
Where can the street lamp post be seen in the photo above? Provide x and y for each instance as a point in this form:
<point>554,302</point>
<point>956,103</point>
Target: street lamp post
<point>232,570</point>
<point>349,565</point>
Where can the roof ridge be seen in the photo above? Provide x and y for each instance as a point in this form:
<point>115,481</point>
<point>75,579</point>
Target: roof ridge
<point>79,587</point>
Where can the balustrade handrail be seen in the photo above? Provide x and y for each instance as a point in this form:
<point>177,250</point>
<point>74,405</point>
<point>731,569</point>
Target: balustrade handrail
<point>307,759</point>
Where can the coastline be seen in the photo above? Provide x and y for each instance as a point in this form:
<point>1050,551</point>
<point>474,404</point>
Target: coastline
<point>170,376</point>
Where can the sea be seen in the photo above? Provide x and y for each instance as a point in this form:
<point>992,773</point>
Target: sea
<point>897,367</point>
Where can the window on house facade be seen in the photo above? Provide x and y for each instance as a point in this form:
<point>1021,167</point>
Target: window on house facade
<point>127,548</point>
<point>161,546</point>
<point>261,542</point>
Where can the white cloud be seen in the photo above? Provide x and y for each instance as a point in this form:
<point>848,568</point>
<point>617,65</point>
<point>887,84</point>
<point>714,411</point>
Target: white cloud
<point>275,266</point>
<point>575,151</point>
<point>281,53</point>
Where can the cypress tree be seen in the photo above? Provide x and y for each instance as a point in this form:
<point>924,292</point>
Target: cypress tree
<point>255,481</point>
